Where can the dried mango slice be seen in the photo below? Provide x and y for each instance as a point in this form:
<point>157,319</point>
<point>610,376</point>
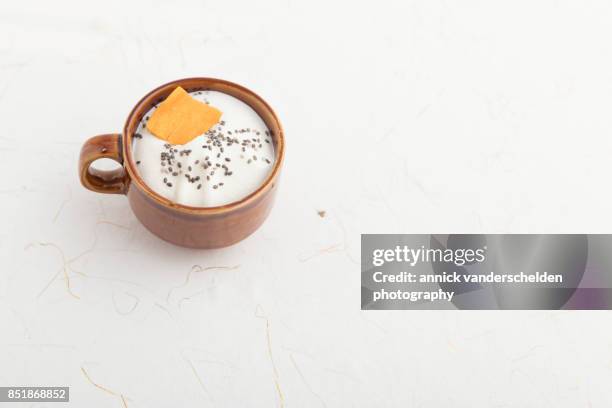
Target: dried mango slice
<point>180,118</point>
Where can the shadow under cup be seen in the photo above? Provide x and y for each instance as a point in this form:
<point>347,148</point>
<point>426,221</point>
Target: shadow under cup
<point>195,227</point>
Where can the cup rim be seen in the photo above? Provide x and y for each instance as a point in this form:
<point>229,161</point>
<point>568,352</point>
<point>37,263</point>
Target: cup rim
<point>206,82</point>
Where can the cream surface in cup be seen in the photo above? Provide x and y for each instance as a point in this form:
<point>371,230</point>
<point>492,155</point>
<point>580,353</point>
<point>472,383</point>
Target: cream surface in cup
<point>223,165</point>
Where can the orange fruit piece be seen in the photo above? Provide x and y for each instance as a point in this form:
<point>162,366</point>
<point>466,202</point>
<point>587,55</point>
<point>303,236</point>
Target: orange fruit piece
<point>180,118</point>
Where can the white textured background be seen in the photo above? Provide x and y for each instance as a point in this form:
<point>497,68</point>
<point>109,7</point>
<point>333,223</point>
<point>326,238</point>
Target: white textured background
<point>409,117</point>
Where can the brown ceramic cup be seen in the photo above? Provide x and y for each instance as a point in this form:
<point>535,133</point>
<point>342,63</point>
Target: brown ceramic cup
<point>195,227</point>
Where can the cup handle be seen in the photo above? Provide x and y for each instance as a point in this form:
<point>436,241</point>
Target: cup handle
<point>103,181</point>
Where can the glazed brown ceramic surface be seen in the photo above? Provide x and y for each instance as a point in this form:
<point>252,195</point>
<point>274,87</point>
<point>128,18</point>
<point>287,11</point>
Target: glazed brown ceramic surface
<point>196,227</point>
